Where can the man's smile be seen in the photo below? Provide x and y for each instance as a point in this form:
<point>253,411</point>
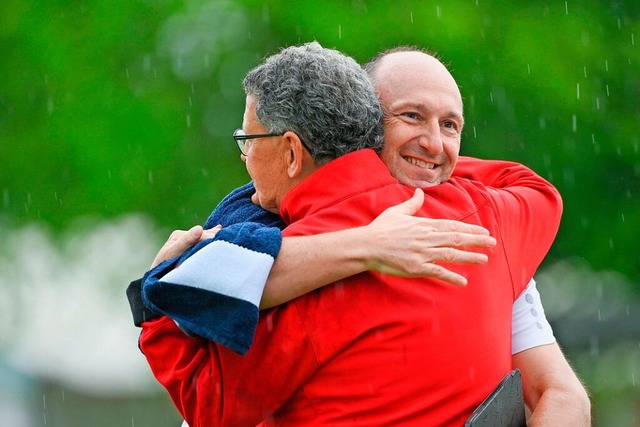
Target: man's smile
<point>419,163</point>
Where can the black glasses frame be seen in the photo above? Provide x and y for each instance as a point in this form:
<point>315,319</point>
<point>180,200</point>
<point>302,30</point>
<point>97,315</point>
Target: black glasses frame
<point>241,139</point>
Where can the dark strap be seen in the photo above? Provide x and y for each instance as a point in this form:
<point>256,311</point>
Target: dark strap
<point>140,312</point>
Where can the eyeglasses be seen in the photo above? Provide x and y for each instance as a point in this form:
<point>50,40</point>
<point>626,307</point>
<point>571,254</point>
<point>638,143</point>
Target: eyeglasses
<point>241,139</point>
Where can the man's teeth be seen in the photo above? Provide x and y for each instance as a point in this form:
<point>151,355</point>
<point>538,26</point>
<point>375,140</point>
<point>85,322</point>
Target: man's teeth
<point>419,163</point>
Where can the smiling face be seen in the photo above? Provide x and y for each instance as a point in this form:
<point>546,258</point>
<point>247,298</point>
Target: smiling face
<point>423,118</point>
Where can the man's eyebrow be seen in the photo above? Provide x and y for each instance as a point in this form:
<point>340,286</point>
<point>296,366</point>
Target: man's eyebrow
<point>410,104</point>
<point>420,106</point>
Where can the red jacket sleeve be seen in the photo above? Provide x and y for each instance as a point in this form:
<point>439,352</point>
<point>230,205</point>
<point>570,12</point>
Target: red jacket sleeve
<point>211,385</point>
<point>528,209</point>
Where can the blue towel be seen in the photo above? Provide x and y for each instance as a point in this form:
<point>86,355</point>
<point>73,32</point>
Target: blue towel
<point>213,290</point>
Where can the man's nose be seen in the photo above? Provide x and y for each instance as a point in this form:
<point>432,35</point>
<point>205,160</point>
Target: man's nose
<point>431,140</point>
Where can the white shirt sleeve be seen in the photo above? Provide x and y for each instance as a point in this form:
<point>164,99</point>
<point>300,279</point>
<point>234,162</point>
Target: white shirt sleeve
<point>529,326</point>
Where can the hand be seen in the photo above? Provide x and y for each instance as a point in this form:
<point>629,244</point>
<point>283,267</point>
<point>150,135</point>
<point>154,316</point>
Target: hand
<point>180,240</point>
<point>407,245</point>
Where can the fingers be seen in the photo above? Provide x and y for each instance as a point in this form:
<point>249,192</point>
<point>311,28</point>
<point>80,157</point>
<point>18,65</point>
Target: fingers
<point>449,276</point>
<point>456,256</point>
<point>195,232</point>
<point>458,239</point>
<point>411,206</point>
<point>455,226</point>
<point>179,241</point>
<point>211,232</point>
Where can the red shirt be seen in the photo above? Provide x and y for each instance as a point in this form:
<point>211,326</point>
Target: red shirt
<point>374,349</point>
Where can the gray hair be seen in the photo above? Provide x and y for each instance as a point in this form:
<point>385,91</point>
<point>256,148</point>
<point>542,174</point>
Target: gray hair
<point>322,95</point>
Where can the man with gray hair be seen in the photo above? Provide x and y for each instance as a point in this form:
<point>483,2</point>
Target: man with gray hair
<point>375,349</point>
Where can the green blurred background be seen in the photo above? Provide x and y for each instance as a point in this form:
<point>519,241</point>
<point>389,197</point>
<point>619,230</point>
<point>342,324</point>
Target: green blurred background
<point>115,124</point>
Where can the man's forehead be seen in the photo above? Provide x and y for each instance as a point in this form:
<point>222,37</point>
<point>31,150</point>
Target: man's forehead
<point>415,77</point>
<point>249,118</point>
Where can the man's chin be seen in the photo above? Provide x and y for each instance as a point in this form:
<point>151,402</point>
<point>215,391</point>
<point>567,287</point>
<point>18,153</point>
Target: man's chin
<point>417,182</point>
<point>256,201</point>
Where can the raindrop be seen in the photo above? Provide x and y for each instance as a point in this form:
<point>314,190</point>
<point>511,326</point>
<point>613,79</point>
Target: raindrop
<point>126,72</point>
<point>566,8</point>
<point>411,16</point>
<point>438,11</point>
<point>633,41</point>
<point>623,221</point>
<point>607,86</point>
<point>574,123</point>
<point>577,90</point>
<point>44,408</point>
<point>528,69</point>
<point>474,132</point>
<point>584,222</point>
<point>339,31</point>
<point>542,123</point>
<point>491,96</point>
<point>188,120</point>
<point>594,346</point>
<point>585,71</point>
<point>606,65</point>
<point>597,103</point>
<point>150,177</point>
<point>599,316</point>
<point>146,63</point>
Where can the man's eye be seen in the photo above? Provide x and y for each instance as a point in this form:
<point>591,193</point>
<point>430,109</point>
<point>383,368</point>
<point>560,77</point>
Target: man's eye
<point>449,124</point>
<point>410,114</point>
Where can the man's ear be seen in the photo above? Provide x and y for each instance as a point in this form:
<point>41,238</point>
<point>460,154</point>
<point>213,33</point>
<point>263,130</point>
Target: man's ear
<point>296,155</point>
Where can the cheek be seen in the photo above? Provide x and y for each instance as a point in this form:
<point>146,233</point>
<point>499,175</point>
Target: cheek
<point>452,149</point>
<point>393,140</point>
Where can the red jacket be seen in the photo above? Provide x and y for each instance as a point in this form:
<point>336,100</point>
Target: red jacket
<point>374,349</point>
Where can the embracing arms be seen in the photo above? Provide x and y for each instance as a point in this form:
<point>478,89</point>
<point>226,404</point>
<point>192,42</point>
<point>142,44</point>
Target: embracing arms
<point>395,243</point>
